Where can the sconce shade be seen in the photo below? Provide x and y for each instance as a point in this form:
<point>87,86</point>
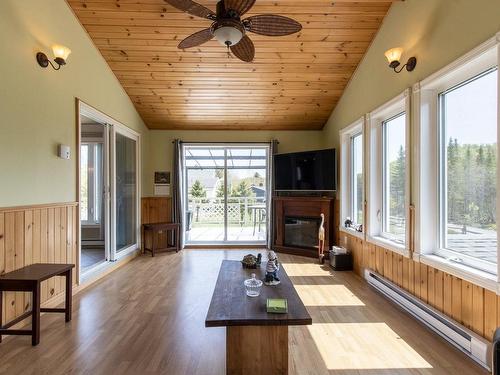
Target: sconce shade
<point>394,54</point>
<point>61,52</point>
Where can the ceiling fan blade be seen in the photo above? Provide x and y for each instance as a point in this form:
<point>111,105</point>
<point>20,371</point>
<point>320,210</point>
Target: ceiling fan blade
<point>271,25</point>
<point>193,8</point>
<point>240,6</point>
<point>196,39</point>
<point>244,50</point>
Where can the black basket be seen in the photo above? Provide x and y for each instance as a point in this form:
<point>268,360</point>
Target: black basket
<point>340,262</point>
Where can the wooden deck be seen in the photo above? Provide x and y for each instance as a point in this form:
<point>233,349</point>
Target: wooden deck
<point>215,233</point>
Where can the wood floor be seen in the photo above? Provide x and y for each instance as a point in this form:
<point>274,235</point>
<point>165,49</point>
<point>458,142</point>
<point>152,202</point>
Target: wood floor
<point>148,318</point>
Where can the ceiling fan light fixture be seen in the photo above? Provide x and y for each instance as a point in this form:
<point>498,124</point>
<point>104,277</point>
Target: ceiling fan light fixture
<point>228,35</point>
<point>230,30</point>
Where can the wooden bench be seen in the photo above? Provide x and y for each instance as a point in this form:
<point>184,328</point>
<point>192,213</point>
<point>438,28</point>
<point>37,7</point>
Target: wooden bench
<point>28,279</point>
<point>154,230</point>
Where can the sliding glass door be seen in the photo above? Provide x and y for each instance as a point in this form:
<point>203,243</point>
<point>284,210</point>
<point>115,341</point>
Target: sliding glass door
<point>125,191</point>
<point>226,191</point>
<point>109,198</point>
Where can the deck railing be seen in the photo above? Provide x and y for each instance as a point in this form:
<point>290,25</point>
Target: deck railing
<point>211,211</point>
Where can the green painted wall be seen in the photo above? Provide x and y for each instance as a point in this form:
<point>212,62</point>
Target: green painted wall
<point>435,31</point>
<point>37,106</point>
<point>161,148</point>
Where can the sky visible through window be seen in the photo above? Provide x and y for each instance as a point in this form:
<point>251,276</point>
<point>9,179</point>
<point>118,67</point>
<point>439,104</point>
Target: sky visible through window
<point>469,114</point>
<point>472,109</point>
<point>396,136</point>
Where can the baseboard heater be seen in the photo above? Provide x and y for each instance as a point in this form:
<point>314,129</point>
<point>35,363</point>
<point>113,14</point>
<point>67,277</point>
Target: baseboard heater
<point>473,345</point>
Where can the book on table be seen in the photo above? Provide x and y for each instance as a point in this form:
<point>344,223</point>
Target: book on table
<point>277,305</point>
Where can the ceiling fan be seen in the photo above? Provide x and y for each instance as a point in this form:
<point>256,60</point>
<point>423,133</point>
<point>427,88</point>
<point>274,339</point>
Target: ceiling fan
<point>230,30</point>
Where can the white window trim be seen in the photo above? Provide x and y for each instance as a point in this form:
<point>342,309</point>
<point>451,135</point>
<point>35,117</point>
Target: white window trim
<point>345,188</point>
<point>397,105</point>
<point>352,232</point>
<point>426,165</point>
<point>462,271</point>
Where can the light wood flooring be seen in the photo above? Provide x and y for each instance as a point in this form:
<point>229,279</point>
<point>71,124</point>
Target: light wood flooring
<point>148,318</point>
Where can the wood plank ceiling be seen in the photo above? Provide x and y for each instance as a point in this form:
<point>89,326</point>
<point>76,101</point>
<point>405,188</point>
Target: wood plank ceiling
<point>294,82</point>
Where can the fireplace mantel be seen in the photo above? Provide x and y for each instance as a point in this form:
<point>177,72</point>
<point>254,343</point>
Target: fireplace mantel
<point>301,207</point>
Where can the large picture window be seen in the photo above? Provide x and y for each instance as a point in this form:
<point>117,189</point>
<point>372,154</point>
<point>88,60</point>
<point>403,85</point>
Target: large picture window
<point>357,182</point>
<point>388,175</point>
<point>456,175</point>
<point>468,171</point>
<point>352,178</point>
<point>394,183</point>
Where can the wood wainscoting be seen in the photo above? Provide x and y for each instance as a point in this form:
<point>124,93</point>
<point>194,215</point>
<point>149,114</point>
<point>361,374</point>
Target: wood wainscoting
<point>471,305</point>
<point>156,210</point>
<point>37,234</point>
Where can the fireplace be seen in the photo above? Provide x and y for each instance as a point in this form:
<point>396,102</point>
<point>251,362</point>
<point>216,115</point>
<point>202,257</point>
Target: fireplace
<point>301,231</point>
<point>296,222</point>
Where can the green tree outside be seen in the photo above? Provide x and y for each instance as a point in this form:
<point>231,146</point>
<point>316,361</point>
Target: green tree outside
<point>197,190</point>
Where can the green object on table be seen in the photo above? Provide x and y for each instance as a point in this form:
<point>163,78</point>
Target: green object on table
<point>277,305</point>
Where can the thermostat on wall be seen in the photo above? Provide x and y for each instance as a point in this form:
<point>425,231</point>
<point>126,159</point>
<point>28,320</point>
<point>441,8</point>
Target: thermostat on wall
<point>64,152</point>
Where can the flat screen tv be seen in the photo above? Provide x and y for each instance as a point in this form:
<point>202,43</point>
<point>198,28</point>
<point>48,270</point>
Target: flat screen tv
<point>306,171</point>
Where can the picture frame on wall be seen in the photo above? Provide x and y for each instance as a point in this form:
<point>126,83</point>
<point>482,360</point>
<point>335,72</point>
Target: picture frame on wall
<point>162,178</point>
<point>162,184</point>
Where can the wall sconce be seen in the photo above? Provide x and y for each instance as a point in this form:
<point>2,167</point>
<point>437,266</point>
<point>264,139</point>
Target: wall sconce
<point>394,55</point>
<point>61,53</point>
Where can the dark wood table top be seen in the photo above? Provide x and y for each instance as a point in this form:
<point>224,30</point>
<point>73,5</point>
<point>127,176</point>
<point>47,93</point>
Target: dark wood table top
<point>36,272</point>
<point>231,306</point>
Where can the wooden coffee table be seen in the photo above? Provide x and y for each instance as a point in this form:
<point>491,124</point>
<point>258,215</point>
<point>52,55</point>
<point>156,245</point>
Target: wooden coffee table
<point>28,279</point>
<point>256,341</point>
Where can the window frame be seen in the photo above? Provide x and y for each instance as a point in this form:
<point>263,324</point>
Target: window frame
<point>346,192</point>
<point>376,176</point>
<point>428,179</point>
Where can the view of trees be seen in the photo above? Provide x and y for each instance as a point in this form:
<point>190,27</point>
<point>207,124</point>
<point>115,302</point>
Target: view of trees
<point>358,218</point>
<point>241,190</point>
<point>471,186</point>
<point>471,175</point>
<point>397,170</point>
<point>197,190</point>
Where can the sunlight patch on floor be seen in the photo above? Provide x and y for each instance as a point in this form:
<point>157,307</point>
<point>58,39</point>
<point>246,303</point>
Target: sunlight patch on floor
<point>327,295</point>
<point>361,346</point>
<point>305,269</point>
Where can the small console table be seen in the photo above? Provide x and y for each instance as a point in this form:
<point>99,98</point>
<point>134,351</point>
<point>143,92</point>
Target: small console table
<point>154,230</point>
<point>28,279</point>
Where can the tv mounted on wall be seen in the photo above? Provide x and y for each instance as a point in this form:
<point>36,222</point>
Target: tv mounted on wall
<point>306,171</point>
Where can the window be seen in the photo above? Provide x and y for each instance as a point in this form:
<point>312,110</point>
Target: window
<point>388,174</point>
<point>91,183</point>
<point>357,182</point>
<point>352,194</point>
<point>456,171</point>
<point>467,170</point>
<point>394,182</point>
<point>84,177</point>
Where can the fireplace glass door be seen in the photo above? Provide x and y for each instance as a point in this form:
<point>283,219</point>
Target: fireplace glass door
<point>301,231</point>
